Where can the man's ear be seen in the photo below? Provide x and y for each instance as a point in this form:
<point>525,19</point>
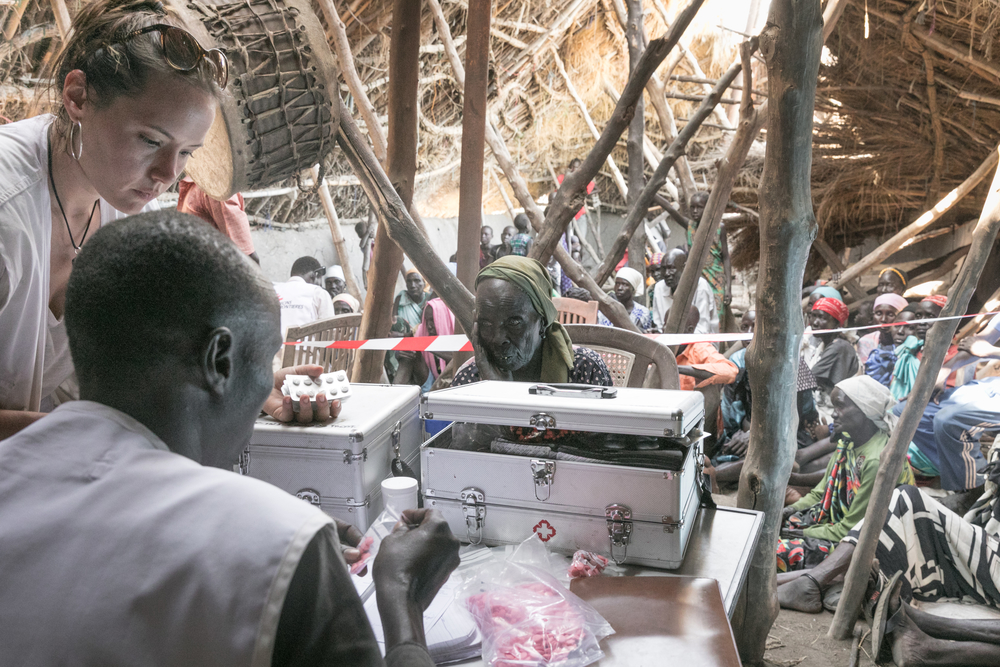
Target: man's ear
<point>217,359</point>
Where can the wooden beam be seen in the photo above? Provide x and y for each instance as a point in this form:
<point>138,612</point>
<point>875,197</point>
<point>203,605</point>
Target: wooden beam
<point>637,213</point>
<point>338,237</point>
<point>751,122</point>
<point>894,456</point>
<point>920,224</point>
<point>63,21</point>
<point>791,44</point>
<point>569,197</point>
<point>470,196</point>
<point>613,310</point>
<point>402,229</point>
<point>634,143</point>
<point>833,261</point>
<point>401,167</point>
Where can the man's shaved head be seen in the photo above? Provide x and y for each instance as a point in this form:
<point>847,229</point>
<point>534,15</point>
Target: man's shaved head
<point>146,291</point>
<point>692,320</point>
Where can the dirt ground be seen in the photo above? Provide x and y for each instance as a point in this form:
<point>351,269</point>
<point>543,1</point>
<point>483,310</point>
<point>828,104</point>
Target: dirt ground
<point>800,639</point>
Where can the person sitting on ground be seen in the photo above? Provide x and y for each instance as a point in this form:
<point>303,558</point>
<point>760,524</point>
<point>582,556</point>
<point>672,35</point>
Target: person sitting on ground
<point>409,303</point>
<point>177,560</point>
<point>862,423</point>
<point>345,304</point>
<point>881,360</point>
<point>504,248</point>
<point>812,294</point>
<point>424,368</point>
<point>302,299</point>
<point>517,335</point>
<point>229,216</point>
<point>890,281</point>
<point>927,553</point>
<point>335,283</point>
<point>672,267</point>
<point>485,247</point>
<point>834,358</point>
<point>908,354</point>
<point>884,312</point>
<point>718,271</point>
<point>520,243</point>
<point>700,364</point>
<point>628,283</point>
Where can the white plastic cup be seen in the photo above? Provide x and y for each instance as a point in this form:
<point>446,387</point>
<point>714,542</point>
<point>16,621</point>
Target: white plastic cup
<point>399,493</point>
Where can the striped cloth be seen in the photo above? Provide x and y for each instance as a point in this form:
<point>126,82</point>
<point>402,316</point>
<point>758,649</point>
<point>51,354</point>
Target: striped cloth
<point>940,554</point>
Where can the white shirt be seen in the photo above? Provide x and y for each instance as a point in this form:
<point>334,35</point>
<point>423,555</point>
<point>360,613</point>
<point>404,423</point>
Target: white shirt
<point>704,301</point>
<point>116,551</point>
<point>302,303</point>
<point>34,353</point>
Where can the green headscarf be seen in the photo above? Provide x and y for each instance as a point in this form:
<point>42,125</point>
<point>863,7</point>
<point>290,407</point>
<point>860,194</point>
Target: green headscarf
<point>532,278</point>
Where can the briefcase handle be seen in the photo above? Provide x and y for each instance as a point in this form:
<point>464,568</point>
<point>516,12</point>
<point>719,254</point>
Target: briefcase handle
<point>571,390</point>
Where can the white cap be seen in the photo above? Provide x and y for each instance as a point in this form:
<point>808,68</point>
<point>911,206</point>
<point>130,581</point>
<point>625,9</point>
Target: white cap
<point>399,493</point>
<point>335,271</point>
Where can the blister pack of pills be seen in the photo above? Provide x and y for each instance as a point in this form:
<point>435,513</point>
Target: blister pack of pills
<point>335,385</point>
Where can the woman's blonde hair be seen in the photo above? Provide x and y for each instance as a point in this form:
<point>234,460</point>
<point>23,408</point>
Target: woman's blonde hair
<point>113,67</point>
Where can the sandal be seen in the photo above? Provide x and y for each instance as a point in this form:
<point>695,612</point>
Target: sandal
<point>882,625</point>
<point>876,585</point>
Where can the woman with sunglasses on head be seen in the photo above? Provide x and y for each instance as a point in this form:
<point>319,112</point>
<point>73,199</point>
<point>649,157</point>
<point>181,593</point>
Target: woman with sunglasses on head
<point>135,96</point>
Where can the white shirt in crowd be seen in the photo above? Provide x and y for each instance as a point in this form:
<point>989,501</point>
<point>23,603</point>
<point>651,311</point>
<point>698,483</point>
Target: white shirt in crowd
<point>302,303</point>
<point>34,349</point>
<point>704,301</point>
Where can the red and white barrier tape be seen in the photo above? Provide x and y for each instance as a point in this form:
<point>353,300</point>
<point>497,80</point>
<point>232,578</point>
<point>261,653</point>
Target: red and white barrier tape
<point>460,343</point>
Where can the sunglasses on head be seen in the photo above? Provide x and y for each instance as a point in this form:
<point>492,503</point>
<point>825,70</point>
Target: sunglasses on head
<point>183,52</point>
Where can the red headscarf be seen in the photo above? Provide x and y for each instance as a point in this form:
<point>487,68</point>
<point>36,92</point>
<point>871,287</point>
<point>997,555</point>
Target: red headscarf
<point>833,307</point>
<point>938,299</point>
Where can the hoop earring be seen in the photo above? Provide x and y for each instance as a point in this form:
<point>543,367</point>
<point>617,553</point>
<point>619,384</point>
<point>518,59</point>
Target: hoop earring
<point>74,152</point>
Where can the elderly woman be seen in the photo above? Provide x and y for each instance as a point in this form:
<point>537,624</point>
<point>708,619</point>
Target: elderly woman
<point>834,358</point>
<point>862,422</point>
<point>517,335</point>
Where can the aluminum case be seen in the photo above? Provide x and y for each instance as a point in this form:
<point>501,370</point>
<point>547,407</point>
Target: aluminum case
<point>634,515</point>
<point>339,466</point>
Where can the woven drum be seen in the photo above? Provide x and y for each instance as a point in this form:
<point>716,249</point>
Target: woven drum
<point>280,113</point>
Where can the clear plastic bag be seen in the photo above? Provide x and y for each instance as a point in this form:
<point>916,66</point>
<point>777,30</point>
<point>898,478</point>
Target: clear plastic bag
<point>369,544</point>
<point>526,617</point>
<point>587,564</point>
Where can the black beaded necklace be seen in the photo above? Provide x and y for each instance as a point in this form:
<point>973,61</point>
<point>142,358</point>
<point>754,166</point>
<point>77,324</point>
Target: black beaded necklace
<point>58,201</point>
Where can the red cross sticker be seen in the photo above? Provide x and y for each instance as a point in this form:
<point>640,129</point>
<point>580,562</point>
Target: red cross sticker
<point>545,530</point>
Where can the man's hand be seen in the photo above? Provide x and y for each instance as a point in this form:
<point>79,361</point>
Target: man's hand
<point>415,559</point>
<point>350,537</point>
<point>279,406</point>
<point>487,371</point>
<point>737,445</point>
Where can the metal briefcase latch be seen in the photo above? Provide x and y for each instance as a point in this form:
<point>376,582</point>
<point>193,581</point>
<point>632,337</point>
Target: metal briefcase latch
<point>619,529</point>
<point>543,473</point>
<point>474,509</point>
<point>542,421</point>
<point>311,496</point>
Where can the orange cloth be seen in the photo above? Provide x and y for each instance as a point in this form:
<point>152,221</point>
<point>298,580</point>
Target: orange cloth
<point>226,216</point>
<point>707,358</point>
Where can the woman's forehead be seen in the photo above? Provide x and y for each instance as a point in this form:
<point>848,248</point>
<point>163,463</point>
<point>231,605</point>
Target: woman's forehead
<point>495,293</point>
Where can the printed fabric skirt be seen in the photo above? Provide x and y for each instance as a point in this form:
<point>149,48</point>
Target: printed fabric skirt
<point>940,554</point>
<point>801,553</point>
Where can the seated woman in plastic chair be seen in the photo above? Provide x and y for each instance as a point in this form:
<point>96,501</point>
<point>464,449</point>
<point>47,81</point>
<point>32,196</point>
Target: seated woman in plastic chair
<point>517,336</point>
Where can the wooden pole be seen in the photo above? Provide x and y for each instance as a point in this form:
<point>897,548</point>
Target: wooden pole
<point>920,224</point>
<point>830,257</point>
<point>751,122</point>
<point>63,21</point>
<point>637,213</point>
<point>569,197</point>
<point>470,196</point>
<point>791,44</point>
<point>613,310</point>
<point>634,144</point>
<point>402,229</point>
<point>401,167</point>
<point>338,237</point>
<point>894,457</point>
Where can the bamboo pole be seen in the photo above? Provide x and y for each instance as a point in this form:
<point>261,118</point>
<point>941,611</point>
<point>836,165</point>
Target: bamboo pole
<point>751,122</point>
<point>63,21</point>
<point>637,213</point>
<point>401,167</point>
<point>791,44</point>
<point>920,224</point>
<point>894,457</point>
<point>567,199</point>
<point>616,173</point>
<point>470,195</point>
<point>338,237</point>
<point>613,310</point>
<point>402,229</point>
